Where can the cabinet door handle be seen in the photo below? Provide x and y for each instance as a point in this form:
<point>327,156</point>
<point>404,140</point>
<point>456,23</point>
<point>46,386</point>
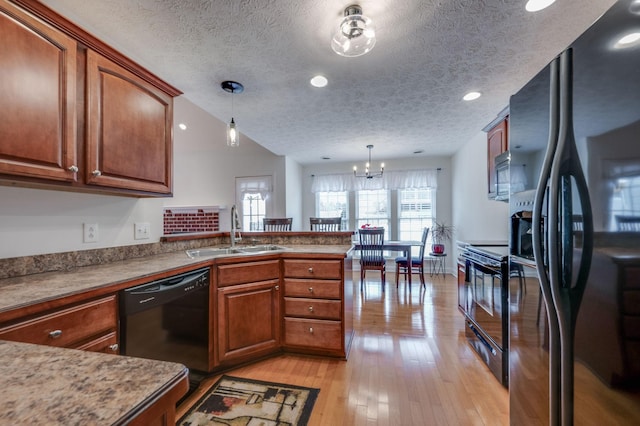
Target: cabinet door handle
<point>310,289</point>
<point>277,287</point>
<point>55,334</point>
<point>96,173</point>
<point>311,270</point>
<point>114,347</point>
<point>310,308</point>
<point>73,169</point>
<point>311,330</point>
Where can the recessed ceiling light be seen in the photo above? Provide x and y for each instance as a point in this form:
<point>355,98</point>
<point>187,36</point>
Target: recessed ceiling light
<point>319,81</point>
<point>628,40</point>
<point>420,151</point>
<point>536,5</point>
<point>326,158</point>
<point>182,126</point>
<point>471,96</point>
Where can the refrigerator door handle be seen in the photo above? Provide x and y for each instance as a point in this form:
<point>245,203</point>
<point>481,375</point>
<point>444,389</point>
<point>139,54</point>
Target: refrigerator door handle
<point>539,244</point>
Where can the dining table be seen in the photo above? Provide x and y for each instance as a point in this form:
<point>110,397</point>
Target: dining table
<point>403,246</point>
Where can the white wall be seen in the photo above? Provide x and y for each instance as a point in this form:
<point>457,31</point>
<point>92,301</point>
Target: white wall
<point>34,221</point>
<point>293,190</point>
<point>475,217</point>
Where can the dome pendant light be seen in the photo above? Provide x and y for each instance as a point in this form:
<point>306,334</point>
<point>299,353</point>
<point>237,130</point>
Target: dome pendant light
<point>355,35</point>
<point>233,136</point>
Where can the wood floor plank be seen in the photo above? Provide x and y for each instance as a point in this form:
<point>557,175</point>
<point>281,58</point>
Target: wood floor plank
<point>409,364</point>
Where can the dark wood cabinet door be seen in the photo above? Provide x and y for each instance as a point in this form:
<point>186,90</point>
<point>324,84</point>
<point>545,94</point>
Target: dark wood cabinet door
<point>248,320</point>
<point>497,143</point>
<point>38,101</point>
<point>129,129</point>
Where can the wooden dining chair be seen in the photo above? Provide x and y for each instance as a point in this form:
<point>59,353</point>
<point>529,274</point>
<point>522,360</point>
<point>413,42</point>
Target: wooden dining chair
<point>325,224</point>
<point>416,265</point>
<point>277,223</point>
<point>371,253</point>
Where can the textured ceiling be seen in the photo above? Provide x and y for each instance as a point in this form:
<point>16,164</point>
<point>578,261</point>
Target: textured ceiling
<point>403,96</point>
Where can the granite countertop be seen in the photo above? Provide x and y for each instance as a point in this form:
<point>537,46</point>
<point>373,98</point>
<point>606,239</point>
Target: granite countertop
<point>43,385</point>
<point>27,290</point>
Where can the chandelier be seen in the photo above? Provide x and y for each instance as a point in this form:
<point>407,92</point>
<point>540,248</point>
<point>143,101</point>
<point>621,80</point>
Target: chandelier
<point>367,172</point>
<point>233,136</point>
<point>355,35</point>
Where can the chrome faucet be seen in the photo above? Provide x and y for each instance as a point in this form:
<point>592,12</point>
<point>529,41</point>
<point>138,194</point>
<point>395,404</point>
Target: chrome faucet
<point>235,226</point>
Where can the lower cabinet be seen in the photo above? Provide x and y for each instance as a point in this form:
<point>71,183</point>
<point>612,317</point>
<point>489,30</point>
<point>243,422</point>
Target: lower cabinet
<point>248,301</point>
<point>90,325</point>
<point>314,307</point>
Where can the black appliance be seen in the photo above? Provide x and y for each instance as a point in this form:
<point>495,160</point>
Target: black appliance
<point>167,320</point>
<point>574,340</point>
<point>483,300</point>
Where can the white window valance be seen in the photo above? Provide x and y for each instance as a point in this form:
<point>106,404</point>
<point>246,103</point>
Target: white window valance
<point>405,179</point>
<point>252,185</point>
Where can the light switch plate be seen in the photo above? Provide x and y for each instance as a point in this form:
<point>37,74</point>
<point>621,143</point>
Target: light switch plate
<point>141,230</point>
<point>90,232</point>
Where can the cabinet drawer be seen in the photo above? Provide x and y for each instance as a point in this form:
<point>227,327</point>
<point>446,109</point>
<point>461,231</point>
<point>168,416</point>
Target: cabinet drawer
<point>322,269</point>
<point>67,326</point>
<point>321,289</point>
<point>313,308</point>
<point>313,333</point>
<point>240,273</point>
<point>632,278</point>
<point>107,344</point>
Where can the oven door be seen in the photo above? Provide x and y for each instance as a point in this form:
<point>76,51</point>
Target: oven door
<point>485,305</point>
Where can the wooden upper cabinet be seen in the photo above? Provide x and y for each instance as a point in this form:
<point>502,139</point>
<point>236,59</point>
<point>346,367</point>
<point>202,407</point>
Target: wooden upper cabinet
<point>497,143</point>
<point>37,98</point>
<point>129,123</point>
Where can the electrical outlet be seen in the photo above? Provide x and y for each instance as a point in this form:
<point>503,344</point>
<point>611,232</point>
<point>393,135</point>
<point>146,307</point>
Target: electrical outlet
<point>90,232</point>
<point>141,230</point>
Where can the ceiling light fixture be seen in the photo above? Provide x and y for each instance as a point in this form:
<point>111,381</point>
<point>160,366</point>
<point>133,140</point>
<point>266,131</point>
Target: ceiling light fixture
<point>471,96</point>
<point>355,35</point>
<point>368,173</point>
<point>233,136</point>
<point>537,5</point>
<point>319,81</point>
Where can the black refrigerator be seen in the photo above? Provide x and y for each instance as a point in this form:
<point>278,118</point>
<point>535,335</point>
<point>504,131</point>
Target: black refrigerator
<point>574,293</point>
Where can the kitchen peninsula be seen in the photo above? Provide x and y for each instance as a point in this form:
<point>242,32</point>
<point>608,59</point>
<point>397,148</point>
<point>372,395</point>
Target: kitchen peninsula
<point>85,293</point>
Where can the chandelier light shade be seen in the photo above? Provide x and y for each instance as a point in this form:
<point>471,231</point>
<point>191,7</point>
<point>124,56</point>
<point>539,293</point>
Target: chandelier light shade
<point>367,169</point>
<point>233,136</point>
<point>356,34</point>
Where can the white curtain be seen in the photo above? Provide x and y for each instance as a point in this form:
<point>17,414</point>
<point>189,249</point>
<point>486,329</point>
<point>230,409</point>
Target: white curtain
<point>405,179</point>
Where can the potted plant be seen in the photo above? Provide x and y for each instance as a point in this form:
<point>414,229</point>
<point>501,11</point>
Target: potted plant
<point>440,232</point>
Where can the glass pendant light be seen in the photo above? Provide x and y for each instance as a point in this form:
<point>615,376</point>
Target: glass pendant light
<point>355,35</point>
<point>233,136</point>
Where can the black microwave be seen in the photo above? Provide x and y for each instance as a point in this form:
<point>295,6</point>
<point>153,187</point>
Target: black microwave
<point>502,176</point>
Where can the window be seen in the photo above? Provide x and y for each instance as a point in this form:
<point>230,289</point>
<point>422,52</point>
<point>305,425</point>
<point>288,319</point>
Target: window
<point>333,204</point>
<point>415,212</point>
<point>625,200</point>
<point>373,208</point>
<point>253,194</point>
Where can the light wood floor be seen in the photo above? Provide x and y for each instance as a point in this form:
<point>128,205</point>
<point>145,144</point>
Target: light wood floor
<point>409,364</point>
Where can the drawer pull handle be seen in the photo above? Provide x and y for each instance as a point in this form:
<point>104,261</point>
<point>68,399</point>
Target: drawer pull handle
<point>310,308</point>
<point>310,289</point>
<point>311,330</point>
<point>311,270</point>
<point>55,334</point>
<point>277,287</point>
<point>114,347</point>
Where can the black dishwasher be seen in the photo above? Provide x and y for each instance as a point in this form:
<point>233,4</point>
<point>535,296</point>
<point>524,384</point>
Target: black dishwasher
<point>168,320</point>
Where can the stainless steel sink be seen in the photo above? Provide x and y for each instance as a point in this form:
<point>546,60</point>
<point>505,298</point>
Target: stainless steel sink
<point>260,248</point>
<point>240,250</point>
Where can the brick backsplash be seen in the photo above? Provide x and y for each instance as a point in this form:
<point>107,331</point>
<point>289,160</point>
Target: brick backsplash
<point>180,220</point>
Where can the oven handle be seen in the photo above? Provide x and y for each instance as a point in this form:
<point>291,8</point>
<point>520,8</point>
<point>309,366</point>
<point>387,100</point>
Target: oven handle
<point>481,338</point>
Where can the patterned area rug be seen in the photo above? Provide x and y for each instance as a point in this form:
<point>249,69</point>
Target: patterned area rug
<point>237,401</point>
